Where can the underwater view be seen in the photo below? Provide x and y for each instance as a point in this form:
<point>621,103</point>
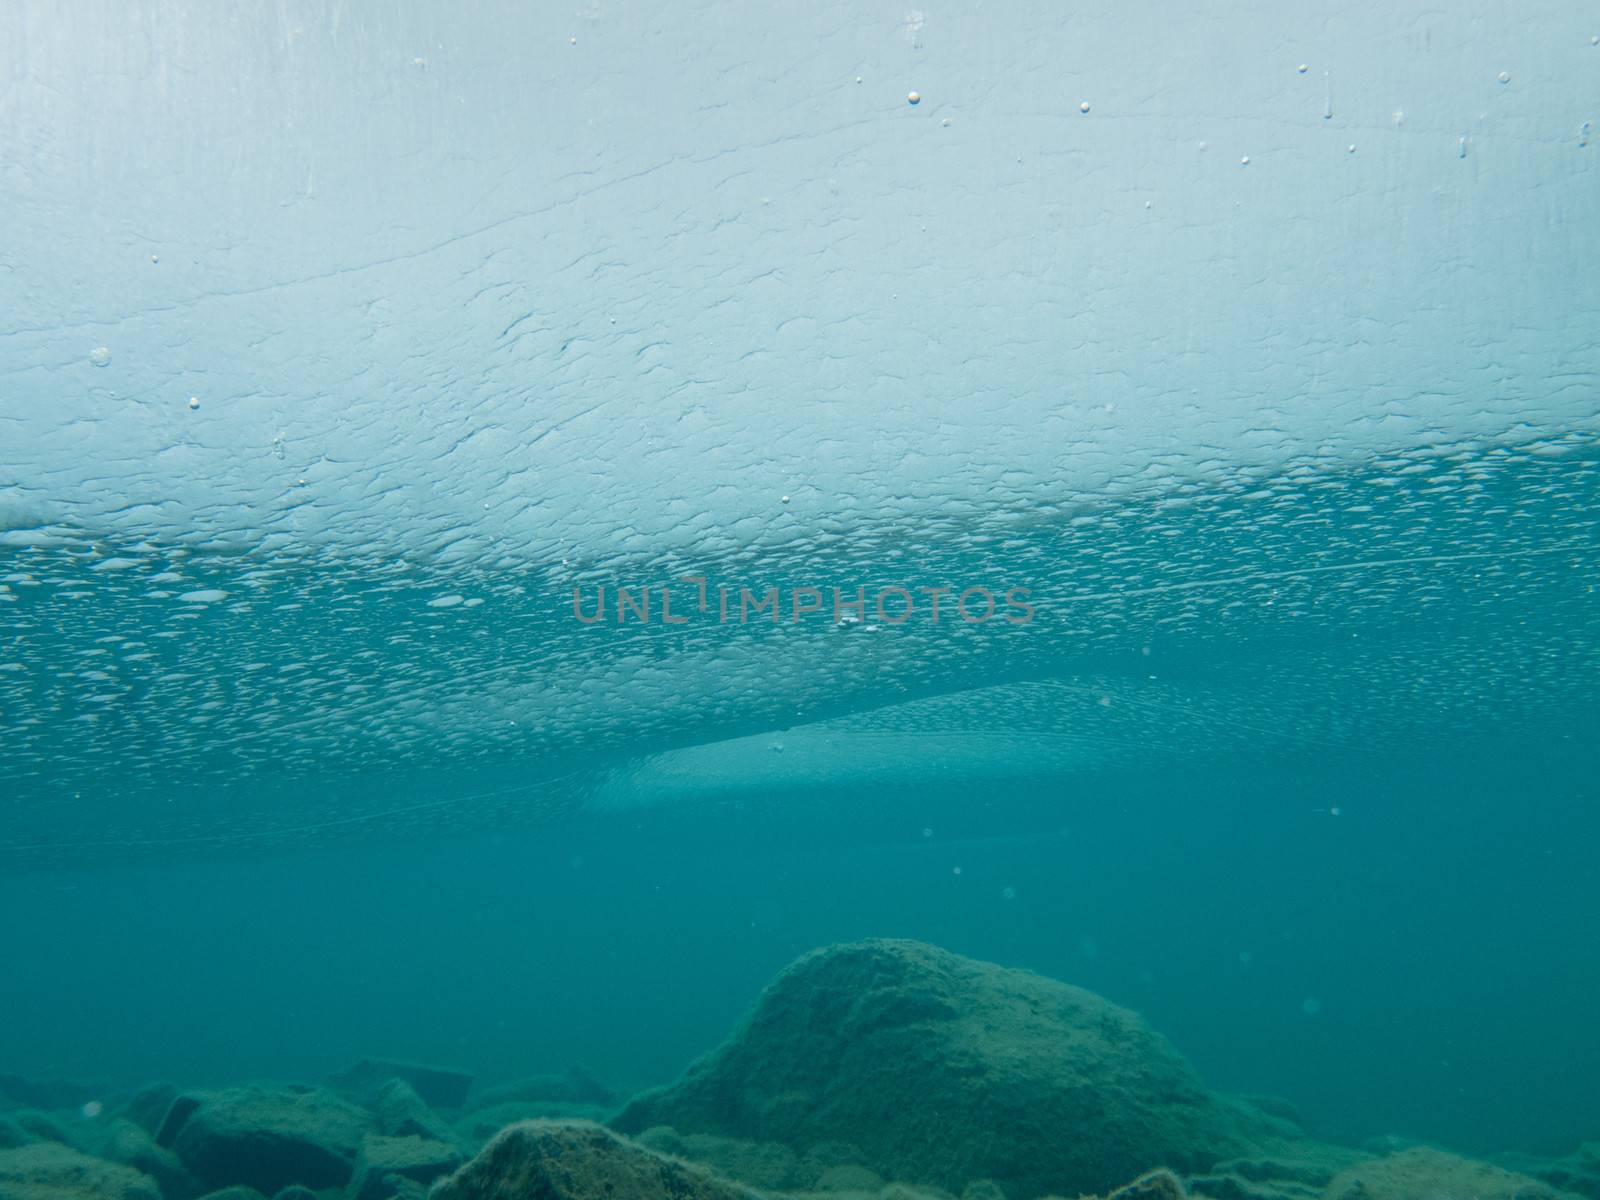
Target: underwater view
<point>824,602</point>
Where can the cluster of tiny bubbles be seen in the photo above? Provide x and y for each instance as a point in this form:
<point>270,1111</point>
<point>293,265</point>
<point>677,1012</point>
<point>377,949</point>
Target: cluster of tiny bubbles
<point>92,1109</point>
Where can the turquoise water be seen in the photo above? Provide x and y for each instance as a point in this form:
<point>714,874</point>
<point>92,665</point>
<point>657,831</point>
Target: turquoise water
<point>406,422</point>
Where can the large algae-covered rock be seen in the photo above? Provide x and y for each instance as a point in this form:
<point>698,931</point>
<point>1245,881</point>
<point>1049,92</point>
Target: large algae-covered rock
<point>266,1137</point>
<point>944,1070</point>
<point>51,1171</point>
<point>128,1144</point>
<point>387,1162</point>
<point>1426,1174</point>
<point>148,1106</point>
<point>402,1113</point>
<point>1578,1172</point>
<point>1302,1172</point>
<point>578,1160</point>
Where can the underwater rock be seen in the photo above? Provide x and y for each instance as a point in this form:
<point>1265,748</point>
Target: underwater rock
<point>849,1178</point>
<point>944,1070</point>
<point>266,1137</point>
<point>384,1161</point>
<point>42,1127</point>
<point>440,1087</point>
<point>578,1160</point>
<point>1273,1106</point>
<point>769,1165</point>
<point>1160,1184</point>
<point>478,1126</point>
<point>13,1135</point>
<point>1301,1175</point>
<point>1578,1172</point>
<point>51,1171</point>
<point>128,1144</point>
<point>1423,1172</point>
<point>148,1106</point>
<point>403,1113</point>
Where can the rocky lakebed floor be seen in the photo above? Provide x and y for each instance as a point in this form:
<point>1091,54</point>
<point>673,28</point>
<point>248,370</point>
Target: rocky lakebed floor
<point>877,1070</point>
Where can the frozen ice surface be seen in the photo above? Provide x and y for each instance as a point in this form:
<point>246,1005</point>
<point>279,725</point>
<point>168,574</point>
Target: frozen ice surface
<point>484,303</point>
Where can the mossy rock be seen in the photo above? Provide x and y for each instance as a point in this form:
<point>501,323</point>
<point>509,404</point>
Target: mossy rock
<point>1424,1174</point>
<point>578,1160</point>
<point>51,1171</point>
<point>943,1070</point>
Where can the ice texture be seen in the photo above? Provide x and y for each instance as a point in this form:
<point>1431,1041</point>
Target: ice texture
<point>337,346</point>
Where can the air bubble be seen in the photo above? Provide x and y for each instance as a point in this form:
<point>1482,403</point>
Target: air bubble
<point>100,356</point>
<point>1505,76</point>
<point>1084,107</point>
<point>194,403</point>
<point>913,97</point>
